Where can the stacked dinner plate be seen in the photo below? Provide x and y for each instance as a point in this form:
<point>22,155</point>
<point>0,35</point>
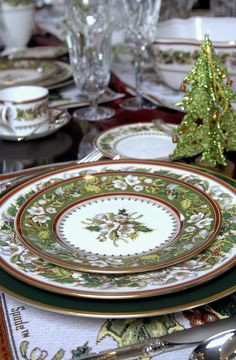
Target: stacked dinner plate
<point>47,73</point>
<point>119,239</point>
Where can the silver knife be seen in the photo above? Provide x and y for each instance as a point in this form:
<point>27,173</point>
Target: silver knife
<point>172,342</point>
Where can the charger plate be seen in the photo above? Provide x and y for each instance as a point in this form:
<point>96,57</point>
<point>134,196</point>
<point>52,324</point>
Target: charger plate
<point>135,141</point>
<point>133,308</point>
<point>215,260</point>
<point>118,222</point>
<point>33,72</point>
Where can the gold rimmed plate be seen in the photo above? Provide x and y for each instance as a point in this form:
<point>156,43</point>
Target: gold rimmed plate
<point>210,263</point>
<point>40,72</point>
<point>56,120</point>
<point>118,222</point>
<point>132,308</point>
<point>135,141</point>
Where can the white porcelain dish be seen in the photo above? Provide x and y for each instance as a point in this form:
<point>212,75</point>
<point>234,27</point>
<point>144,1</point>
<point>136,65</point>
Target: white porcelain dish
<point>177,46</point>
<point>218,28</point>
<point>135,141</point>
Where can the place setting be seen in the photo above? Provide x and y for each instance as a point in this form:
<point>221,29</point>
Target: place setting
<point>129,236</point>
<point>122,223</point>
<point>119,259</point>
<point>25,114</point>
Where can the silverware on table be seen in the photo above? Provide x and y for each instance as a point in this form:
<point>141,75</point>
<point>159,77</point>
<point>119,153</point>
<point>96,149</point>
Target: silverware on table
<point>7,185</point>
<point>172,342</point>
<point>92,156</point>
<point>221,346</point>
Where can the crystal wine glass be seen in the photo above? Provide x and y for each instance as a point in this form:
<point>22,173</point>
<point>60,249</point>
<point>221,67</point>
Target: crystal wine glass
<point>140,20</point>
<point>89,43</point>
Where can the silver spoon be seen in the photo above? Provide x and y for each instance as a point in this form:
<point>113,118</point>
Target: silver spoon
<point>218,347</point>
<point>221,346</point>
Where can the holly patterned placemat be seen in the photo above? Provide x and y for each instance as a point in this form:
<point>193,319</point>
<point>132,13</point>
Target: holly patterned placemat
<point>34,334</point>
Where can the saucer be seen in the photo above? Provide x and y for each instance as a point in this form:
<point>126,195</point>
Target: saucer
<point>57,119</point>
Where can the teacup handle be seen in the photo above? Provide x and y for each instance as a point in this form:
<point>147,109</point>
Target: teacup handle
<point>8,115</point>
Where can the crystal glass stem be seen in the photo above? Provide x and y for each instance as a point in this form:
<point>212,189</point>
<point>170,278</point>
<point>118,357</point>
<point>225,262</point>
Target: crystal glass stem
<point>138,78</point>
<point>93,106</point>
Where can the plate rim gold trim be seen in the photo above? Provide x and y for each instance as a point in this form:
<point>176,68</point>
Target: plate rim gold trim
<point>108,270</point>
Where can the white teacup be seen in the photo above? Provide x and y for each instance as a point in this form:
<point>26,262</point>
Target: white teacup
<point>23,109</point>
<point>16,24</point>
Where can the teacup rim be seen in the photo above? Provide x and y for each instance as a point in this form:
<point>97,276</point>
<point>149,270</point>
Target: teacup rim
<point>36,99</point>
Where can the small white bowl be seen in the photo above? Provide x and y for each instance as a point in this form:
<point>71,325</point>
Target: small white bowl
<point>177,47</point>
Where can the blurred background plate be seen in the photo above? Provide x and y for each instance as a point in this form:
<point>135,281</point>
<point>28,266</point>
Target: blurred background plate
<point>43,73</point>
<point>39,52</point>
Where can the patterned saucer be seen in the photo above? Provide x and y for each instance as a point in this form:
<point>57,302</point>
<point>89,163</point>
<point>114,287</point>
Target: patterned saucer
<point>118,222</point>
<point>57,119</point>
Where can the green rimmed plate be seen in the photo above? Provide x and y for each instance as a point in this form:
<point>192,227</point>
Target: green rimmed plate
<point>118,222</point>
<point>215,260</point>
<point>26,72</point>
<point>132,308</point>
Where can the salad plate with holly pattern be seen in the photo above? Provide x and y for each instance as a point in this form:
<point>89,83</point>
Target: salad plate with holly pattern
<point>118,222</point>
<point>29,268</point>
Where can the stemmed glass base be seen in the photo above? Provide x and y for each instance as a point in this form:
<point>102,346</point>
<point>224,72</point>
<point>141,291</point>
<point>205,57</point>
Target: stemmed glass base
<point>94,114</point>
<point>137,103</point>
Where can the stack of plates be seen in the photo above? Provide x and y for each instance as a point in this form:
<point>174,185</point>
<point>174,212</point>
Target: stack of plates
<point>119,239</point>
<point>50,74</point>
<point>39,52</point>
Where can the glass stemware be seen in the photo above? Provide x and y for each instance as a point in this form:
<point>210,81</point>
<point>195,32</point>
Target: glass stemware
<point>140,20</point>
<point>89,43</point>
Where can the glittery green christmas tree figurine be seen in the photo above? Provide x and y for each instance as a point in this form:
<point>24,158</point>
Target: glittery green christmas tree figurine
<point>209,126</point>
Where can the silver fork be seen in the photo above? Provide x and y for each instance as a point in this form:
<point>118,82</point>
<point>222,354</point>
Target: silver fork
<point>94,155</point>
